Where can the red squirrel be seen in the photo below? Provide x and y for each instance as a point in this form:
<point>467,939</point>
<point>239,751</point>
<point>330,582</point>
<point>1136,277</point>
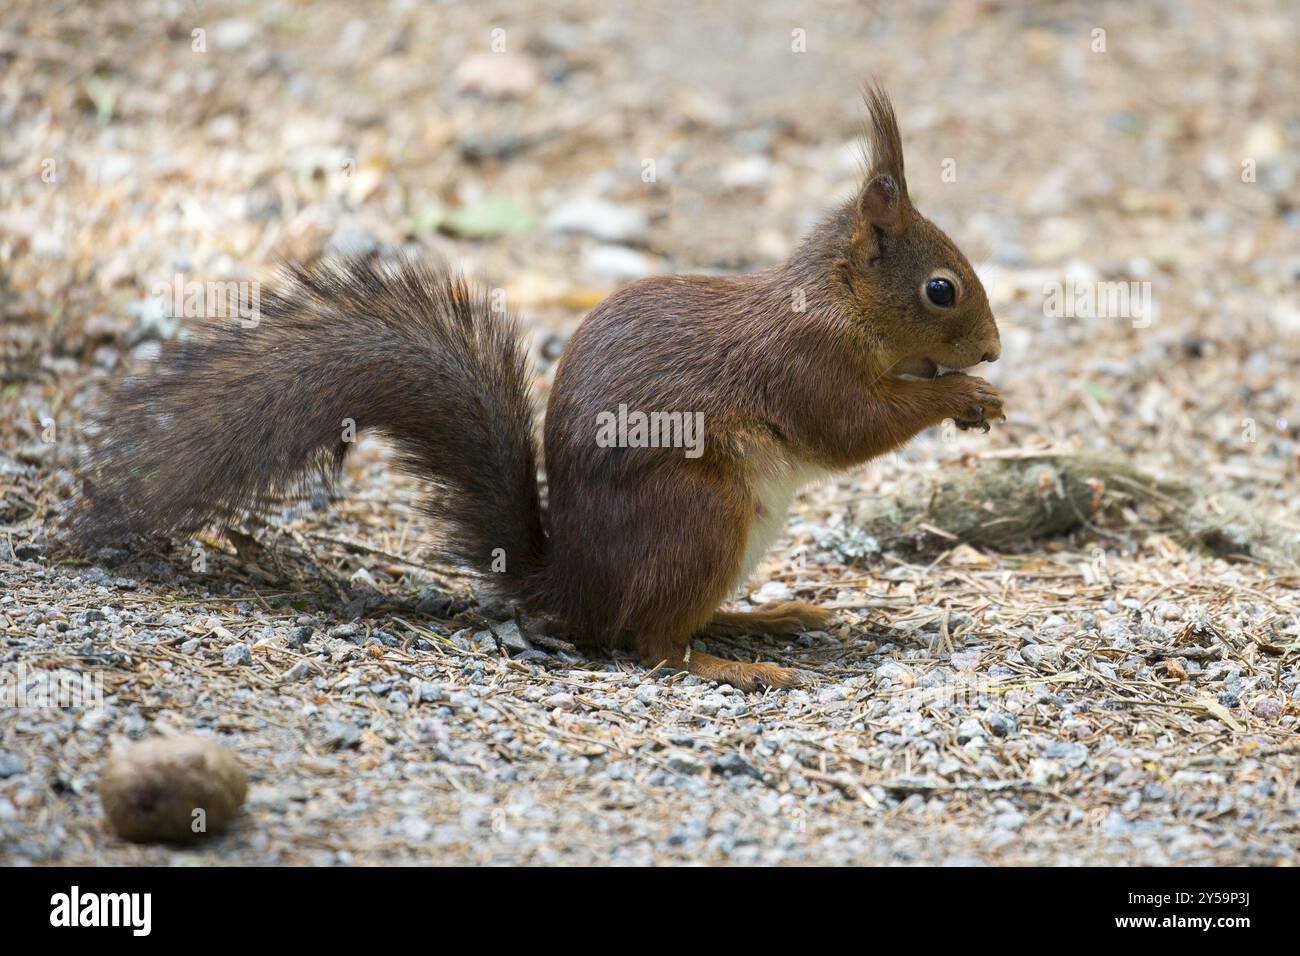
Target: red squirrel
<point>841,353</point>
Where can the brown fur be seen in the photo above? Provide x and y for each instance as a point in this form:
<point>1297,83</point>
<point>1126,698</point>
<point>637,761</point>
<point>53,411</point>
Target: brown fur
<point>642,544</point>
<point>224,421</point>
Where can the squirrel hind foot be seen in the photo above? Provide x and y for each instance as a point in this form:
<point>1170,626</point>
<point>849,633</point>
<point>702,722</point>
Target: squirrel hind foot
<point>745,677</point>
<point>679,655</point>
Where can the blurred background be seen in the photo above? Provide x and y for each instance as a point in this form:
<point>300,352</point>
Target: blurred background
<point>209,139</point>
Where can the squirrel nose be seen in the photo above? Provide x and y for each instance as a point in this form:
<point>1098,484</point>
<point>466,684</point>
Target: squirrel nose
<point>992,339</point>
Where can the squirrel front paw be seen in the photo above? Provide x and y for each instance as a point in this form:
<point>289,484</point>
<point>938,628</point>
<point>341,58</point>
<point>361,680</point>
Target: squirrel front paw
<point>974,402</point>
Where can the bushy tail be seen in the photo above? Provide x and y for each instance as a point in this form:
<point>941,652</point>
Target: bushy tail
<point>224,422</point>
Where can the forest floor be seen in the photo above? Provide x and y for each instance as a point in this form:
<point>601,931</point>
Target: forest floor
<point>1118,690</point>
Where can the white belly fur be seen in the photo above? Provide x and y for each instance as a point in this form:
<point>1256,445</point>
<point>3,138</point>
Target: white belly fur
<point>775,481</point>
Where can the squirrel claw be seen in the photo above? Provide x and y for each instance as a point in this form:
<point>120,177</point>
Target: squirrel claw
<point>974,419</point>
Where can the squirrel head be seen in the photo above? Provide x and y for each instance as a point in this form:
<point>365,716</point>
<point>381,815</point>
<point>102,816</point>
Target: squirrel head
<point>913,294</point>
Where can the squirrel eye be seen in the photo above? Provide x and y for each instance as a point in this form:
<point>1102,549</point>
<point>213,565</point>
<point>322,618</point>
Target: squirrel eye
<point>941,293</point>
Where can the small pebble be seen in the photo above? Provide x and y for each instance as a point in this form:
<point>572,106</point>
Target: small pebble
<point>237,654</point>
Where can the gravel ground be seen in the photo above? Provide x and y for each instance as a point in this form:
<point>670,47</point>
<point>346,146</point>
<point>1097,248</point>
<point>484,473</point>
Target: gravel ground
<point>1110,695</point>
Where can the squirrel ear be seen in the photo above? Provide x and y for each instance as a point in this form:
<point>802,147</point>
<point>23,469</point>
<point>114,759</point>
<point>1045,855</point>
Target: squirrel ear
<point>883,197</point>
<point>880,203</point>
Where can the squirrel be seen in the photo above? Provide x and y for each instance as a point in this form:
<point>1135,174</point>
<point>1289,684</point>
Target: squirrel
<point>842,353</point>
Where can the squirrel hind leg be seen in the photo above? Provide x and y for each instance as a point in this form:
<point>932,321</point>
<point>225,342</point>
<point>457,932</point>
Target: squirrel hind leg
<point>775,618</point>
<point>678,654</point>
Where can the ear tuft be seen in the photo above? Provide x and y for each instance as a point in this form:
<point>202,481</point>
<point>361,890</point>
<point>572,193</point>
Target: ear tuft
<point>883,141</point>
